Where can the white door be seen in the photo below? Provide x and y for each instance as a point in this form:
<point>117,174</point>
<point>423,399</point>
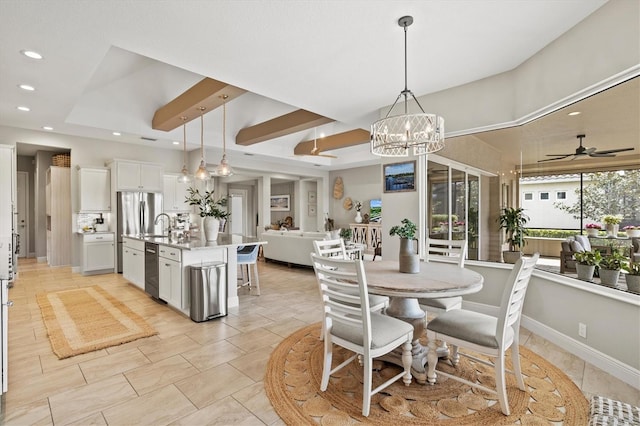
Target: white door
<point>239,213</point>
<point>23,213</point>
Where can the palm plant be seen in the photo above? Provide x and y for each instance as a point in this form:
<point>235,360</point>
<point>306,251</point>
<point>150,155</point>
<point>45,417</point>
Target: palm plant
<point>513,221</point>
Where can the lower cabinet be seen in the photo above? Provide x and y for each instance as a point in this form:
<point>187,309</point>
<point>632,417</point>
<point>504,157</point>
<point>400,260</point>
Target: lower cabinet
<point>133,266</point>
<point>171,282</point>
<point>97,253</point>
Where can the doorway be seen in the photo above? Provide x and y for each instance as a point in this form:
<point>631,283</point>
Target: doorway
<point>239,212</point>
<point>23,213</point>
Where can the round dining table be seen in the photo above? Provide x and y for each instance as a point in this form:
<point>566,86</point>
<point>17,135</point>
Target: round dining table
<point>434,280</point>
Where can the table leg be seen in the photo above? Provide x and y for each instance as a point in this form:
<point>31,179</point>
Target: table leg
<point>408,310</point>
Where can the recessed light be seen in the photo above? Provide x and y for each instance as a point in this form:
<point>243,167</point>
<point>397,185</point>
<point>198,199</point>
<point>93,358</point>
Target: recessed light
<point>176,143</point>
<point>27,87</point>
<point>24,108</point>
<point>31,54</point>
<point>47,128</point>
<point>116,133</point>
<point>574,113</point>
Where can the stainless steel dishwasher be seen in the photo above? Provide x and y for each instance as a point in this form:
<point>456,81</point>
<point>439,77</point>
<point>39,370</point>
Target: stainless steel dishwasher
<point>151,270</point>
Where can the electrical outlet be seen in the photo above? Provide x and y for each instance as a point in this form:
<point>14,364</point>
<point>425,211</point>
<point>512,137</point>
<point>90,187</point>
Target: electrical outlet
<point>582,330</point>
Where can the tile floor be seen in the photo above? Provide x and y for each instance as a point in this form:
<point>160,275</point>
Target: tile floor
<point>190,373</point>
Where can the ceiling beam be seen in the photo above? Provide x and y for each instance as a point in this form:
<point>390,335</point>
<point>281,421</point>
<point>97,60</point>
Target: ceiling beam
<point>293,122</point>
<point>337,141</point>
<point>206,93</point>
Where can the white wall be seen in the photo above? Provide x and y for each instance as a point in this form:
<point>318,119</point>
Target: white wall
<point>360,184</point>
<point>542,213</point>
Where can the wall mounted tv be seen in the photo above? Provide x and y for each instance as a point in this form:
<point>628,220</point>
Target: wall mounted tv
<point>375,210</point>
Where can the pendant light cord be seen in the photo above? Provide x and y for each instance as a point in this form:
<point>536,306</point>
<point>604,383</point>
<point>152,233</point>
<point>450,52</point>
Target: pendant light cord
<point>184,141</point>
<point>201,134</point>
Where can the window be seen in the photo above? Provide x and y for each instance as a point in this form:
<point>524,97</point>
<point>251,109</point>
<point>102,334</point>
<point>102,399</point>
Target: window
<point>544,195</point>
<point>561,195</point>
<point>528,196</point>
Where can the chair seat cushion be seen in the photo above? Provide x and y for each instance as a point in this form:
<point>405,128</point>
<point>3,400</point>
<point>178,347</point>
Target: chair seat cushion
<point>384,330</point>
<point>445,303</point>
<point>606,411</point>
<point>470,326</point>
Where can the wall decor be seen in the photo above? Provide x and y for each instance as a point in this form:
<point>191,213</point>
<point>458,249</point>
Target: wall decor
<point>280,203</point>
<point>311,197</point>
<point>399,177</point>
<point>338,188</point>
<point>347,203</point>
<point>312,210</point>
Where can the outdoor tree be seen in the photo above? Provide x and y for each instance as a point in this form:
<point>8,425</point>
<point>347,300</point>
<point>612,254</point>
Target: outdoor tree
<point>603,193</point>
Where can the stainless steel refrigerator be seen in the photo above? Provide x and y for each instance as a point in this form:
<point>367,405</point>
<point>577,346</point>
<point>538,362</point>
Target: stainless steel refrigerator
<point>135,216</point>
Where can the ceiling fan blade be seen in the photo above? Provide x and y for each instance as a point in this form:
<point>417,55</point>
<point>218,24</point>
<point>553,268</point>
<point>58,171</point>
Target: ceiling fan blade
<point>598,155</point>
<point>611,151</point>
<point>559,155</point>
<point>553,159</point>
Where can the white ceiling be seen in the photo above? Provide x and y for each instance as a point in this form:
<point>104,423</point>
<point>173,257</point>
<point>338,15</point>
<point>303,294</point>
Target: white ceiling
<point>109,65</point>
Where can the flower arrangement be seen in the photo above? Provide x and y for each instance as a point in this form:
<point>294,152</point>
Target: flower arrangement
<point>458,223</point>
<point>593,226</point>
<point>358,206</point>
<point>207,203</point>
<point>631,227</point>
<point>611,219</point>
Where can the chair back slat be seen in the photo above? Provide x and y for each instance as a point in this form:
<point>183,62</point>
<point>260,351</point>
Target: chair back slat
<point>513,296</point>
<point>330,248</point>
<point>453,251</point>
<point>337,279</point>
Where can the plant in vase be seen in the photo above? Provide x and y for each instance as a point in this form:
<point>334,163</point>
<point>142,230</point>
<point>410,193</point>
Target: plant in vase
<point>593,229</point>
<point>211,209</point>
<point>632,276</point>
<point>633,231</point>
<point>409,260</point>
<point>345,234</point>
<point>587,262</point>
<point>358,206</point>
<point>610,266</point>
<point>611,224</point>
<point>513,221</point>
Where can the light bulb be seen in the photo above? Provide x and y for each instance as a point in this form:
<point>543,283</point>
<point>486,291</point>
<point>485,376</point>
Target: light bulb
<point>202,173</point>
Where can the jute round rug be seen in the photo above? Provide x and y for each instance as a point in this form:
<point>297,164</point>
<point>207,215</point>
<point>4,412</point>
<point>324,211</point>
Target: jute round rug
<point>294,372</point>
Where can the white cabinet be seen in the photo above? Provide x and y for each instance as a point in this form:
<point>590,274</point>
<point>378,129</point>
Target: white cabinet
<point>95,189</point>
<point>174,195</point>
<point>170,267</point>
<point>97,253</point>
<point>133,176</point>
<point>133,261</point>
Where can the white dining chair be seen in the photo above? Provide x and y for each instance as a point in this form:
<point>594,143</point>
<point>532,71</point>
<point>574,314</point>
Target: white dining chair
<point>454,251</point>
<point>336,249</point>
<point>349,323</point>
<point>485,334</point>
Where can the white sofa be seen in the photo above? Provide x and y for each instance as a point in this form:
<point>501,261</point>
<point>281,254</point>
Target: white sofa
<point>293,247</point>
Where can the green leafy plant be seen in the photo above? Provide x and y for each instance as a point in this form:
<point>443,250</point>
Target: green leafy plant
<point>406,230</point>
<point>611,219</point>
<point>207,203</point>
<point>589,257</point>
<point>632,268</point>
<point>345,233</point>
<point>613,261</point>
<point>514,221</point>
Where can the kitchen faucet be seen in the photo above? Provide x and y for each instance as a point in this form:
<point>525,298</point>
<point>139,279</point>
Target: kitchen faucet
<point>168,221</point>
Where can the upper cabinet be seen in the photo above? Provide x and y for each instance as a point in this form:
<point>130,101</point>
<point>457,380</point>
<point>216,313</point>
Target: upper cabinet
<point>95,189</point>
<point>134,176</point>
<point>174,195</point>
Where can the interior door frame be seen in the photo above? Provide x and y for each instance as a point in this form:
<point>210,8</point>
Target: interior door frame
<point>244,194</point>
<point>24,239</point>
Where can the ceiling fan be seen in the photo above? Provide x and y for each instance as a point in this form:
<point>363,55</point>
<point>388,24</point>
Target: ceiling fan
<point>315,152</point>
<point>582,151</point>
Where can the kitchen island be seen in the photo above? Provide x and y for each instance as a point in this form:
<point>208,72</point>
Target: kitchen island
<point>175,258</point>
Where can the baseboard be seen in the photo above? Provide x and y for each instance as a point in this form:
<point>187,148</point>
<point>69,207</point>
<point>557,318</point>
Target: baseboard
<point>612,366</point>
<point>42,259</point>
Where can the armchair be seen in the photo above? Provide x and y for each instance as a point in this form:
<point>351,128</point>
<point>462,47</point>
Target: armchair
<point>570,246</point>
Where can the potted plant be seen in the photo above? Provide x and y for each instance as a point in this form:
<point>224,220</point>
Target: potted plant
<point>633,231</point>
<point>513,221</point>
<point>611,224</point>
<point>593,229</point>
<point>632,276</point>
<point>587,262</point>
<point>211,209</point>
<point>345,234</point>
<point>610,266</point>
<point>409,260</point>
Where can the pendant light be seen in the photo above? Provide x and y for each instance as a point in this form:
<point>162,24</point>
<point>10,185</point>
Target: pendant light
<point>184,177</point>
<point>202,173</point>
<point>397,135</point>
<point>224,169</point>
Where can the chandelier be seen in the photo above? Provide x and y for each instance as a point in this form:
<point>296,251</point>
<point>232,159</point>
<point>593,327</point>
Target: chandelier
<point>224,169</point>
<point>398,135</point>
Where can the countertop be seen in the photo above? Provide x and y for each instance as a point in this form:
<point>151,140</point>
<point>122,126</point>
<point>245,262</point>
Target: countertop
<point>223,241</point>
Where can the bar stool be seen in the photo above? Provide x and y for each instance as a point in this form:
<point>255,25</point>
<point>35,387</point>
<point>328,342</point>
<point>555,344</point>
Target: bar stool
<point>248,255</point>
